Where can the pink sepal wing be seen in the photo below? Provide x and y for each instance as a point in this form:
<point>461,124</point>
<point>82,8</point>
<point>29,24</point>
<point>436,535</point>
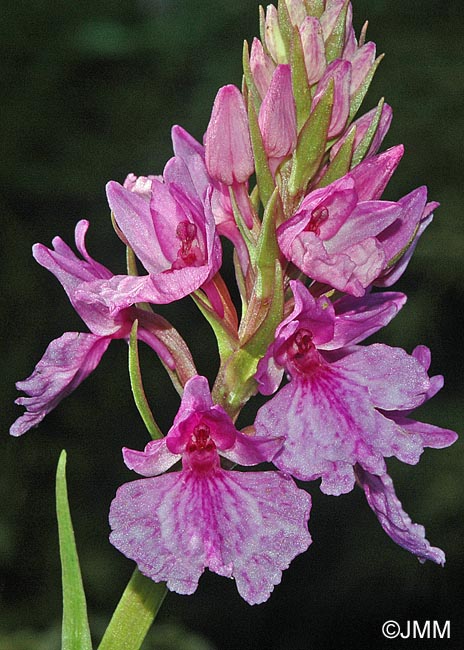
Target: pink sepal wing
<point>382,499</point>
<point>153,460</point>
<point>252,450</point>
<point>66,363</point>
<point>357,318</point>
<point>400,234</point>
<point>74,274</point>
<point>393,274</point>
<point>247,526</point>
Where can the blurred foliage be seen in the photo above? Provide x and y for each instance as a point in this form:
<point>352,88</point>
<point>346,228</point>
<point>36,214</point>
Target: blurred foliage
<point>89,93</point>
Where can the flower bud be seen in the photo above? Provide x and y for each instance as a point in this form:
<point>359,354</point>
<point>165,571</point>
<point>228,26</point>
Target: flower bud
<point>277,116</point>
<point>228,153</point>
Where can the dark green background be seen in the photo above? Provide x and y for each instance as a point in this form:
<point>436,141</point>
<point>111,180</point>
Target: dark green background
<point>89,92</point>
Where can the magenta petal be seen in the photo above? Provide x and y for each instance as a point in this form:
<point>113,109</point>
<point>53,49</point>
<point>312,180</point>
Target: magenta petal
<point>316,314</point>
<point>153,460</point>
<point>248,526</point>
<point>197,408</point>
<point>66,363</point>
<point>382,499</point>
<point>358,318</point>
<point>196,397</point>
<point>395,379</point>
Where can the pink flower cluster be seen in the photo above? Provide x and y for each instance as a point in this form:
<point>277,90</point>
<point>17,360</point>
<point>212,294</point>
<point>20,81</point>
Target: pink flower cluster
<point>315,214</point>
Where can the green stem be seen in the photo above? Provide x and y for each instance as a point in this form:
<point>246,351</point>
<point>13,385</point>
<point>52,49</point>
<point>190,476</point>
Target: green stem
<point>134,615</point>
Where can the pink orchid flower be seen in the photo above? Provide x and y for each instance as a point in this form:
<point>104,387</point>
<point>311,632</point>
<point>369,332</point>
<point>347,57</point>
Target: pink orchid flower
<point>169,224</point>
<point>345,405</point>
<point>69,359</point>
<point>343,235</point>
<point>243,525</point>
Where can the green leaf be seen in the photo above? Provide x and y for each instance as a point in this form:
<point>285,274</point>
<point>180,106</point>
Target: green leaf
<point>75,633</point>
<point>235,383</point>
<point>336,40</point>
<point>311,144</point>
<point>314,7</point>
<point>285,25</point>
<point>249,236</point>
<point>264,179</point>
<point>358,97</point>
<point>262,28</point>
<point>227,342</point>
<point>266,257</point>
<point>363,147</point>
<point>137,387</point>
<point>267,249</point>
<point>131,261</point>
<point>301,89</point>
<point>250,82</point>
<point>341,162</point>
<point>257,344</point>
<point>134,614</point>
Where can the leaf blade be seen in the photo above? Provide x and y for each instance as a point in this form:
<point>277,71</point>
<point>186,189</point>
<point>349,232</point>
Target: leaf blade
<point>75,633</point>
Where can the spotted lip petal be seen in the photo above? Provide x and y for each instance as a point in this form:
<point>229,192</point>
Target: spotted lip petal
<point>345,404</point>
<point>248,526</point>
